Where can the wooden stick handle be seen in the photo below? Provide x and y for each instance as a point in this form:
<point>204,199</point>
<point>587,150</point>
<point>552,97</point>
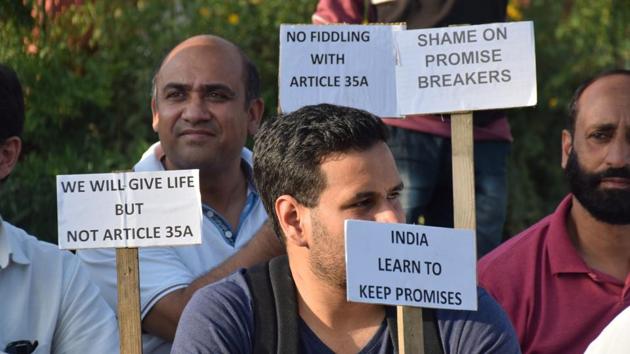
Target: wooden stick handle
<point>463,171</point>
<point>128,301</point>
<point>410,334</point>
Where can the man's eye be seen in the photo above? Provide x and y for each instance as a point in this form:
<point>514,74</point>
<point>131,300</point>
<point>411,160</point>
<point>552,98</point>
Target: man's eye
<point>217,96</point>
<point>174,95</point>
<point>393,195</point>
<point>362,203</point>
<point>601,136</point>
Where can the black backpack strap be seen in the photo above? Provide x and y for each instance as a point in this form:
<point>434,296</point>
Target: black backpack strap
<point>276,325</point>
<point>265,332</point>
<point>430,330</point>
<point>286,305</point>
<point>392,325</point>
<point>275,307</point>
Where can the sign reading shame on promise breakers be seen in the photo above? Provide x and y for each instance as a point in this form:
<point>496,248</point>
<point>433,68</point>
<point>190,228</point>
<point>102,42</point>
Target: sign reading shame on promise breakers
<point>466,68</point>
<point>133,209</point>
<point>392,72</point>
<point>411,265</point>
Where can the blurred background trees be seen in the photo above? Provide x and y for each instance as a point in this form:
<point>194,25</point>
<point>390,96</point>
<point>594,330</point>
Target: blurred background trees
<point>575,39</point>
<point>86,67</point>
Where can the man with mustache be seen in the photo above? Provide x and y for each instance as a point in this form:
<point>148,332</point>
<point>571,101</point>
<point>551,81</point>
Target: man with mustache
<point>206,101</point>
<point>563,279</point>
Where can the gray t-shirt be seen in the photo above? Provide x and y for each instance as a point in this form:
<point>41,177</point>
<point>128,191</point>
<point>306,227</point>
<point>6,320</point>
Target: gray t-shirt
<point>219,319</point>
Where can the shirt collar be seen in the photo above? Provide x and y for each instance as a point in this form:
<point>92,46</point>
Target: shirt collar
<point>151,160</point>
<point>563,256</point>
<point>10,249</point>
<point>249,175</point>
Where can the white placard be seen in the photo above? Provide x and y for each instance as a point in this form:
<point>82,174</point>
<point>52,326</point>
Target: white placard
<point>411,265</point>
<point>466,68</point>
<point>349,65</point>
<point>133,209</point>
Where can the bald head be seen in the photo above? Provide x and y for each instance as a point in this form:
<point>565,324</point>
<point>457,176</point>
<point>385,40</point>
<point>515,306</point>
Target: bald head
<point>201,41</point>
<point>574,105</point>
<point>207,43</point>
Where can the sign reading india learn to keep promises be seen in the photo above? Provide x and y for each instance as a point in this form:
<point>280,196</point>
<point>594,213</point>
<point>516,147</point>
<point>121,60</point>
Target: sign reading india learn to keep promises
<point>411,265</point>
<point>133,209</point>
<point>393,72</point>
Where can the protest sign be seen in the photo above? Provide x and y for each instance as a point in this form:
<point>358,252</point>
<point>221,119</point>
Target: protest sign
<point>466,68</point>
<point>411,265</point>
<point>133,209</point>
<point>126,211</point>
<point>391,72</point>
<point>350,65</point>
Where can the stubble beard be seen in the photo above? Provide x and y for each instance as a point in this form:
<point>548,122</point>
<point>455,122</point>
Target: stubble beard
<point>327,258</point>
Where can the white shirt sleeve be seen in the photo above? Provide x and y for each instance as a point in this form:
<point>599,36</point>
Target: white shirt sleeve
<point>615,338</point>
<point>161,272</point>
<point>86,324</point>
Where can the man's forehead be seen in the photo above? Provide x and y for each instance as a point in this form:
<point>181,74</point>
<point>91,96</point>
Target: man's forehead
<point>607,97</point>
<point>200,56</point>
<point>607,85</point>
<point>374,165</point>
<point>201,42</point>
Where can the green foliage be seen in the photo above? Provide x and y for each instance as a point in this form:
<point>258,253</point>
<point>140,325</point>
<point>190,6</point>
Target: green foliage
<point>87,77</point>
<point>87,83</point>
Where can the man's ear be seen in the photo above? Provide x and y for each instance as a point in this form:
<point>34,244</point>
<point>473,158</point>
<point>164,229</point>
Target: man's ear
<point>155,115</point>
<point>9,154</point>
<point>254,114</point>
<point>567,147</point>
<point>291,217</point>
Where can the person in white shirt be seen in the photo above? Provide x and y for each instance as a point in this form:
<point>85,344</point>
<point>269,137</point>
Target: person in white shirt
<point>47,301</point>
<point>206,101</point>
<point>615,338</point>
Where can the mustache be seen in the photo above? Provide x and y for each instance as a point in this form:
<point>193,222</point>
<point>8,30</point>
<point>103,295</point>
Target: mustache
<point>575,172</point>
<point>620,172</point>
<point>203,126</point>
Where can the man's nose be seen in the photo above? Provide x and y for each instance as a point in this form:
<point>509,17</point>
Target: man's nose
<point>391,212</point>
<point>618,154</point>
<point>196,109</point>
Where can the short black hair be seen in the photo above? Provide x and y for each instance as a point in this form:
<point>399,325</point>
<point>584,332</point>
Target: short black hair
<point>289,150</point>
<point>573,109</point>
<point>11,104</point>
<point>251,78</point>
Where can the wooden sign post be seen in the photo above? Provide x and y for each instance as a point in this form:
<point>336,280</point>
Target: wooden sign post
<point>463,171</point>
<point>410,331</point>
<point>129,300</point>
<point>126,211</point>
<point>460,69</point>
